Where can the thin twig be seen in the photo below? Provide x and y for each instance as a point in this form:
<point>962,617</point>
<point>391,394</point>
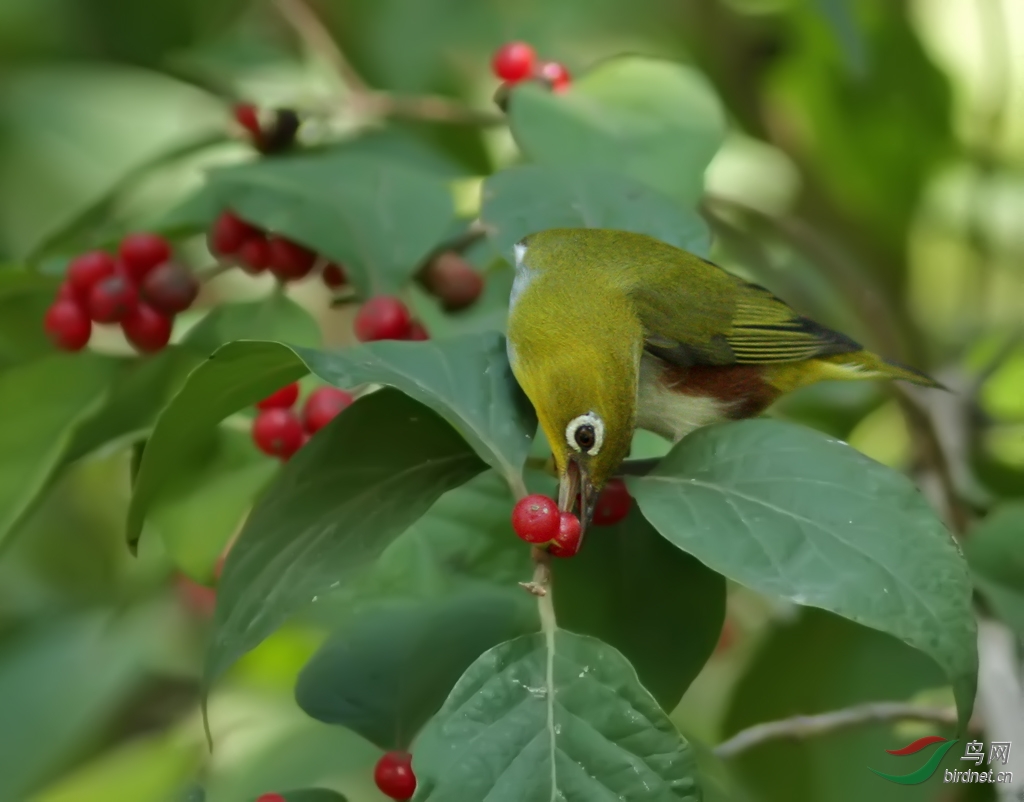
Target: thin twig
<point>432,108</point>
<point>799,727</point>
<point>541,583</point>
<point>319,41</point>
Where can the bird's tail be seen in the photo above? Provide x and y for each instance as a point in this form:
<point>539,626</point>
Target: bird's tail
<point>866,365</point>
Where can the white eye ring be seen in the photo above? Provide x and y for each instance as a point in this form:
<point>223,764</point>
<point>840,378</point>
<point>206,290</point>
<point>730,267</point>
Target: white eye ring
<point>589,419</point>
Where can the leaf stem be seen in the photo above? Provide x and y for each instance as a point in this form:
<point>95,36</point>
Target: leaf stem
<point>799,727</point>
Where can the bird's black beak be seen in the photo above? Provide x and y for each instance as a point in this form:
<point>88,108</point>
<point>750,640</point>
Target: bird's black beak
<point>576,481</point>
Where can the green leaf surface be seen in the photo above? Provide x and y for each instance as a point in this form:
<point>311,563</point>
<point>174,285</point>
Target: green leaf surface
<point>61,682</point>
<point>654,120</point>
<point>24,299</point>
<point>275,317</point>
<point>817,664</point>
<point>379,217</point>
<point>201,507</point>
<point>995,552</point>
<point>388,672</point>
<point>995,547</point>
<point>634,590</point>
<point>313,795</point>
<point>792,513</point>
<point>536,719</point>
<point>466,380</point>
<point>324,519</point>
<point>42,403</point>
<point>526,199</point>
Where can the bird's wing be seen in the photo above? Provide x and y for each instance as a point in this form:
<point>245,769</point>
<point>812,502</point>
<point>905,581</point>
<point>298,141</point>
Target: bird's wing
<point>706,316</point>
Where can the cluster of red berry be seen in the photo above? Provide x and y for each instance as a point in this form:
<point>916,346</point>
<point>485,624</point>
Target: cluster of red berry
<point>278,431</point>
<point>139,288</point>
<point>393,775</point>
<point>517,61</point>
<point>536,519</point>
<point>384,317</point>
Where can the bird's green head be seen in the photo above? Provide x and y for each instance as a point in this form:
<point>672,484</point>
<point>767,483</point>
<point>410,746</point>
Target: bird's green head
<point>575,344</point>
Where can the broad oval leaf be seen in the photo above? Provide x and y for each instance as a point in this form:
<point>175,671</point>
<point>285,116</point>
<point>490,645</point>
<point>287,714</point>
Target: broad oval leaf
<point>43,403</point>
<point>380,217</point>
<point>657,605</point>
<point>390,670</point>
<point>552,716</point>
<point>792,513</point>
<point>357,485</point>
<point>655,120</point>
<point>531,198</point>
<point>466,380</point>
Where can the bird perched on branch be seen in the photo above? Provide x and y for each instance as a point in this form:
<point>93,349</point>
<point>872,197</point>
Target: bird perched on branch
<point>609,331</point>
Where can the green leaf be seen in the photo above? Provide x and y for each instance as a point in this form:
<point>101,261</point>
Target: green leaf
<point>276,317</point>
<point>536,719</point>
<point>817,664</point>
<point>995,552</point>
<point>660,607</point>
<point>522,200</point>
<point>466,380</point>
<point>42,403</point>
<point>325,518</point>
<point>381,218</point>
<point>52,713</point>
<point>792,513</point>
<point>313,795</point>
<point>24,299</point>
<point>388,672</point>
<point>201,507</point>
<point>654,120</point>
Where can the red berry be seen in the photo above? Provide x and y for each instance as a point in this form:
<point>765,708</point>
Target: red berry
<point>113,299</point>
<point>170,288</point>
<point>284,398</point>
<point>536,519</point>
<point>417,331</point>
<point>556,75</point>
<point>322,406</point>
<point>142,252</point>
<point>277,432</point>
<point>147,329</point>
<point>382,318</point>
<point>67,325</point>
<point>65,292</point>
<point>254,254</point>
<point>271,798</point>
<point>514,62</point>
<point>453,280</point>
<point>289,260</point>
<point>229,233</point>
<point>247,116</point>
<point>394,777</point>
<point>88,269</point>
<point>613,504</point>
<point>334,276</point>
<point>567,541</point>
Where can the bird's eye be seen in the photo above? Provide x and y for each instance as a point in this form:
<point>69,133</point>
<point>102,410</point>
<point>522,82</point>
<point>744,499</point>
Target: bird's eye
<point>585,433</point>
<point>585,438</point>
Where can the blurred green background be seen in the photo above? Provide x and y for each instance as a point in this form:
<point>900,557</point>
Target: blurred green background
<point>873,176</point>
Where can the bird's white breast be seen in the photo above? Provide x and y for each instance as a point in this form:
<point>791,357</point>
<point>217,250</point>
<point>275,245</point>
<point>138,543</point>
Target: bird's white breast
<point>668,413</point>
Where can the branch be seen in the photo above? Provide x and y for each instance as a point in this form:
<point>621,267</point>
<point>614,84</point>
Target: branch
<point>799,727</point>
<point>319,41</point>
<point>432,108</point>
<point>429,108</point>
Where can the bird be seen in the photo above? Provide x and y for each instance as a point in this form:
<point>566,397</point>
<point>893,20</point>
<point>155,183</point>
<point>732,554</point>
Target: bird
<point>609,331</point>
